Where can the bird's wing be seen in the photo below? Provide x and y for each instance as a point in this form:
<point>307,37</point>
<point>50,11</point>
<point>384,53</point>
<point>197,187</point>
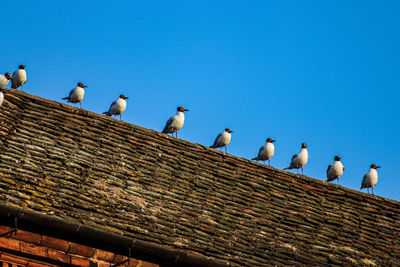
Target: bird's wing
<point>13,82</point>
<point>329,167</point>
<point>70,93</point>
<point>294,156</point>
<point>260,150</point>
<point>216,140</point>
<point>167,125</point>
<point>113,105</point>
<point>363,183</point>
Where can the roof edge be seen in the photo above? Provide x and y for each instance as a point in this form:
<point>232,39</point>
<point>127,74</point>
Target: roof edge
<point>20,218</point>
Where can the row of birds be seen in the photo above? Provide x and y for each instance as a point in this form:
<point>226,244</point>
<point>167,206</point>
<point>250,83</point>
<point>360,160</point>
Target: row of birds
<point>175,123</point>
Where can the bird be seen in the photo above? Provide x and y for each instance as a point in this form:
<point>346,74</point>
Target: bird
<point>76,95</point>
<point>300,159</point>
<point>370,179</point>
<point>175,123</point>
<point>18,77</point>
<point>335,170</point>
<point>4,79</point>
<point>1,96</point>
<point>267,151</point>
<point>222,139</point>
<point>117,107</point>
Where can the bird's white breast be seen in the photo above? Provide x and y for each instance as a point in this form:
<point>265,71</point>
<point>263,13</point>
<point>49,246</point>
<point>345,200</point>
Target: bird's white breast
<point>178,121</point>
<point>118,106</point>
<point>224,139</point>
<point>3,81</point>
<point>336,169</point>
<point>20,75</point>
<point>267,151</point>
<point>301,158</point>
<point>77,94</point>
<point>372,177</point>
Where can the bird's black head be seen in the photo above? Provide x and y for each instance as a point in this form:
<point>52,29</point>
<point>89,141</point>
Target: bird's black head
<point>303,145</point>
<point>8,76</point>
<point>182,109</point>
<point>374,166</point>
<point>228,130</point>
<point>21,67</point>
<point>270,140</point>
<point>337,158</point>
<point>123,97</point>
<point>81,85</point>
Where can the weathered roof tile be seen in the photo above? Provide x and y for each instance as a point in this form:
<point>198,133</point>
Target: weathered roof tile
<point>141,183</point>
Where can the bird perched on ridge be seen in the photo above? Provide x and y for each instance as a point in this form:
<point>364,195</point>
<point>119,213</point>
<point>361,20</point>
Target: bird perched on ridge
<point>370,179</point>
<point>1,96</point>
<point>175,123</point>
<point>19,77</point>
<point>300,159</point>
<point>4,79</point>
<point>266,152</point>
<point>223,139</point>
<point>76,95</point>
<point>117,107</point>
<point>335,170</point>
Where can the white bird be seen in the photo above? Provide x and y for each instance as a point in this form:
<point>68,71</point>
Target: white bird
<point>19,77</point>
<point>300,159</point>
<point>267,151</point>
<point>222,139</point>
<point>175,123</point>
<point>1,96</point>
<point>335,170</point>
<point>117,107</point>
<point>371,178</point>
<point>4,79</point>
<point>76,95</point>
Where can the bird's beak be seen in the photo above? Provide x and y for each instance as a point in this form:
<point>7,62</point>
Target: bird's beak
<point>84,86</point>
<point>126,97</point>
<point>185,109</point>
<point>378,167</point>
<point>273,141</point>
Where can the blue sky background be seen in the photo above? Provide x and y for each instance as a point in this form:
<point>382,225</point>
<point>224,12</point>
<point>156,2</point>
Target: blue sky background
<point>321,72</point>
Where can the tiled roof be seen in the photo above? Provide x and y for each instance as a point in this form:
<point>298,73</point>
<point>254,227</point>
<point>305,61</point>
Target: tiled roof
<point>109,174</point>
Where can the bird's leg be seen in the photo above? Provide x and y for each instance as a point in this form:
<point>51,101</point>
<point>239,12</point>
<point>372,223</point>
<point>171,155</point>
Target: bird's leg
<point>338,180</point>
<point>368,189</point>
<point>226,150</point>
<point>176,133</point>
<point>120,116</point>
<point>372,189</point>
<point>80,104</point>
<point>302,171</point>
<point>265,162</point>
<point>269,162</point>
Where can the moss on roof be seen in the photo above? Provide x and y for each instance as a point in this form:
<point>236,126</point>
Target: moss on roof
<point>79,165</point>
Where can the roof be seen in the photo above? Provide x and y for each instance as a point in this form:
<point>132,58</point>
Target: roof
<point>108,174</point>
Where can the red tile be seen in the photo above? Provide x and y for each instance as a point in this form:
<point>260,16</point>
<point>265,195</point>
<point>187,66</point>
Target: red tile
<point>55,243</point>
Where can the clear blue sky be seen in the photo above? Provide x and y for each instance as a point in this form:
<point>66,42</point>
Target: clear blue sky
<point>321,72</point>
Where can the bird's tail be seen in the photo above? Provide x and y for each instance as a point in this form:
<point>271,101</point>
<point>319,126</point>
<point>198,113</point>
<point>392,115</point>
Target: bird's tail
<point>287,168</point>
<point>64,98</point>
<point>213,146</point>
<point>256,158</point>
<point>107,113</point>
